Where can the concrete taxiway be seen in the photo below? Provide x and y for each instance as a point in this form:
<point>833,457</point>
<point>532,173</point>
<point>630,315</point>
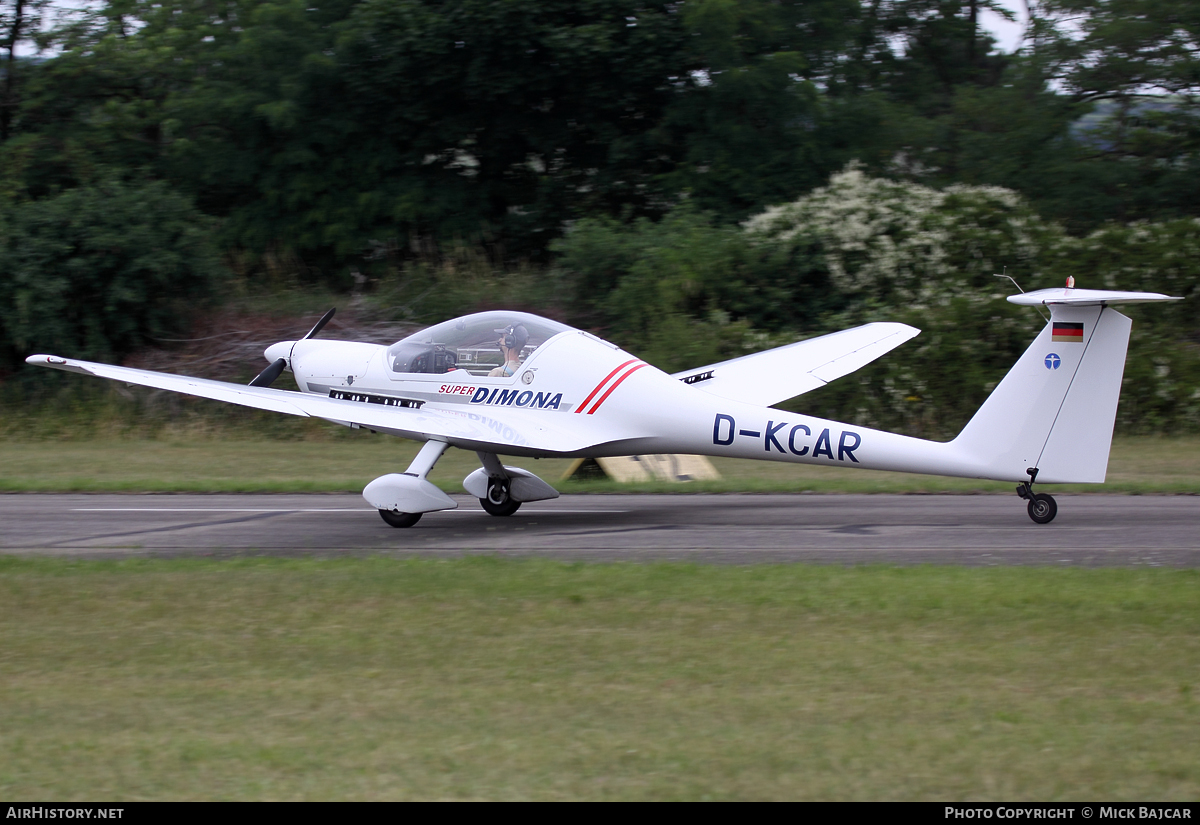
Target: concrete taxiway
<point>1091,530</point>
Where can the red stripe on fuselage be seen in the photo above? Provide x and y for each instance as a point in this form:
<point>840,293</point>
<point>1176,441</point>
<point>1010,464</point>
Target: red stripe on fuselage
<point>616,384</point>
<point>607,378</point>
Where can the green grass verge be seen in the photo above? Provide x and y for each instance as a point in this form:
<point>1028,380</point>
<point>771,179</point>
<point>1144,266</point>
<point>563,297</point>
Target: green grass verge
<point>484,678</point>
<point>207,462</point>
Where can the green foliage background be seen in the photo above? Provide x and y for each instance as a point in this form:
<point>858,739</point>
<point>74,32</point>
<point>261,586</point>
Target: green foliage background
<point>684,292</point>
<point>694,179</point>
<point>97,270</point>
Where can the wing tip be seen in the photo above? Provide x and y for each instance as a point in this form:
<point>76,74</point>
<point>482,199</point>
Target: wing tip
<point>43,360</point>
<point>897,326</point>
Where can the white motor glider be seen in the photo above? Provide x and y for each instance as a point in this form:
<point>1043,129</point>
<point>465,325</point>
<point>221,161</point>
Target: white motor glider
<point>515,384</point>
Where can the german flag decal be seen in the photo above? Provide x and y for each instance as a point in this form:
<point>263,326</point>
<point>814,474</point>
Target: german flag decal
<point>1071,333</point>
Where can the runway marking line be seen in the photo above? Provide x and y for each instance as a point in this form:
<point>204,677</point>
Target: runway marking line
<point>297,510</point>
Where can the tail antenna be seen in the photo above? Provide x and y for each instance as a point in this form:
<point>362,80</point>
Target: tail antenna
<point>1018,286</point>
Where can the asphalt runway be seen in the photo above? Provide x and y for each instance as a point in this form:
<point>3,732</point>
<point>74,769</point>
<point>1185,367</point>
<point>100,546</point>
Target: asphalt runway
<point>1092,530</point>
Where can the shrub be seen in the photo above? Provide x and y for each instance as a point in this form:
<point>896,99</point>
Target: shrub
<point>95,272</point>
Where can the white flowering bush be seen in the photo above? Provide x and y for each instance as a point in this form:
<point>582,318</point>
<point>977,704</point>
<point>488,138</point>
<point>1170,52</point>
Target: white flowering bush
<point>899,242</point>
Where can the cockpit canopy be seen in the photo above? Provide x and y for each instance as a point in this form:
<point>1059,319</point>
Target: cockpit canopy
<point>472,343</point>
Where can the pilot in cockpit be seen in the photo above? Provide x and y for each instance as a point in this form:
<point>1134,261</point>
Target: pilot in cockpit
<point>512,340</point>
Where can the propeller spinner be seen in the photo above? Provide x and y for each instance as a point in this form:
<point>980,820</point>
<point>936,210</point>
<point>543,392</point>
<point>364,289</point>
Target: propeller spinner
<point>277,366</point>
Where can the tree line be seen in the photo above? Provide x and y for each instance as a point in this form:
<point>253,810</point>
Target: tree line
<point>150,149</point>
<point>321,128</point>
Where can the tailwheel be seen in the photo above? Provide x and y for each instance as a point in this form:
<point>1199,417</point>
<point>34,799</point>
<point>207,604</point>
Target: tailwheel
<point>398,519</point>
<point>499,501</point>
<point>1042,508</point>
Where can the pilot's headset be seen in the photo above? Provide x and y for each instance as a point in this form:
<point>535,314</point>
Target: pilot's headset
<point>515,337</point>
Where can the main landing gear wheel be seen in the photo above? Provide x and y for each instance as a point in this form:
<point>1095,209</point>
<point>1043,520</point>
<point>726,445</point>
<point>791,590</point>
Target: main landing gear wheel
<point>498,501</point>
<point>398,519</point>
<point>1042,508</point>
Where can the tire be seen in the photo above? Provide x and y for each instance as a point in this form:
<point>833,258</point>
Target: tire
<point>498,501</point>
<point>506,509</point>
<point>397,519</point>
<point>1042,508</point>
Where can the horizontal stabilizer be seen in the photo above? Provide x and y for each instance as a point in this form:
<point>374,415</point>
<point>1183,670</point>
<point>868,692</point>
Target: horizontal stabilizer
<point>1085,297</point>
<point>778,374</point>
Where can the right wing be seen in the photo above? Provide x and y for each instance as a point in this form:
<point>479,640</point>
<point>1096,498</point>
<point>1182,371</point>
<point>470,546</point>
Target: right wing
<point>495,428</point>
<point>778,374</point>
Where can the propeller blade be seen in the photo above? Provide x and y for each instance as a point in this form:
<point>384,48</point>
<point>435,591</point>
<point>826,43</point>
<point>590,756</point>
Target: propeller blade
<point>268,376</point>
<point>320,324</point>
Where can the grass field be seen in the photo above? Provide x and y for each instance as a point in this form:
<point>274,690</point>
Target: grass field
<point>482,678</point>
<point>207,462</point>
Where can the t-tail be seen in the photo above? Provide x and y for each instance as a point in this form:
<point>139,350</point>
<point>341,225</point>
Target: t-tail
<point>1051,418</point>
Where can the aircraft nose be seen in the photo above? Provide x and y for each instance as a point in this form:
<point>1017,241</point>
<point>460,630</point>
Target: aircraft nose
<point>281,350</point>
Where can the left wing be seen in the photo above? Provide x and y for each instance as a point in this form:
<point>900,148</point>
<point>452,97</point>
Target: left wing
<point>778,374</point>
<point>516,428</point>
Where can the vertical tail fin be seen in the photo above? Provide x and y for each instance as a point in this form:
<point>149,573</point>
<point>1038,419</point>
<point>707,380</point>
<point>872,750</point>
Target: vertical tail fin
<point>1055,409</point>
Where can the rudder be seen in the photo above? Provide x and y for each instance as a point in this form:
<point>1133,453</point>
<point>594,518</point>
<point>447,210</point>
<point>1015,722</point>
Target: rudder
<point>1081,436</point>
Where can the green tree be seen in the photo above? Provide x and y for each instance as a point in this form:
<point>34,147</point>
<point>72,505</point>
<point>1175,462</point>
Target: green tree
<point>1131,69</point>
<point>104,105</point>
<point>683,291</point>
<point>749,121</point>
<point>95,272</point>
<point>399,119</point>
<point>20,22</point>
